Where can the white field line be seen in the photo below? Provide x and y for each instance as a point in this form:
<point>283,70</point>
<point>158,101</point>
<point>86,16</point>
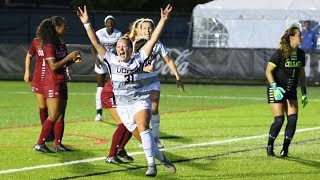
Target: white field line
<point>174,96</point>
<point>138,153</point>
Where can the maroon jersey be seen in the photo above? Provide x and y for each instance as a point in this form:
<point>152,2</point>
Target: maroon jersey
<point>55,82</point>
<point>107,96</point>
<point>35,49</point>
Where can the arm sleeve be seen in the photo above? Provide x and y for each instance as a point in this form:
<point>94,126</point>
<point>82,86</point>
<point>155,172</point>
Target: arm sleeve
<point>32,49</point>
<point>49,52</point>
<point>163,50</point>
<point>275,58</point>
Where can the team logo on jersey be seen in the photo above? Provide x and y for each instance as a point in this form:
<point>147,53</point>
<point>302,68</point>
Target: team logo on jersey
<point>40,52</point>
<point>292,64</point>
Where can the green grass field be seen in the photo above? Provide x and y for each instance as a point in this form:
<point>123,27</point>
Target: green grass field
<point>209,132</point>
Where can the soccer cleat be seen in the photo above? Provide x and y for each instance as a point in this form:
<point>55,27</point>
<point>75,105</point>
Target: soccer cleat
<point>62,148</point>
<point>50,138</point>
<point>158,143</point>
<point>123,154</point>
<point>168,165</point>
<point>42,148</point>
<point>284,153</point>
<point>270,151</point>
<point>152,170</point>
<point>114,160</point>
<point>98,117</point>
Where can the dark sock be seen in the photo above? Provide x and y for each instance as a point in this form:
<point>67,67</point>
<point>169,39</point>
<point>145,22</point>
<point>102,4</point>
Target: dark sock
<point>58,132</point>
<point>43,112</point>
<point>117,139</point>
<point>46,128</point>
<point>99,111</point>
<point>290,130</point>
<point>275,129</point>
<point>126,138</point>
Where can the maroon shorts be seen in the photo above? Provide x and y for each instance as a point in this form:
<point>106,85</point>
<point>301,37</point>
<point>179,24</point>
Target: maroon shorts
<point>107,96</point>
<point>37,88</point>
<point>56,90</point>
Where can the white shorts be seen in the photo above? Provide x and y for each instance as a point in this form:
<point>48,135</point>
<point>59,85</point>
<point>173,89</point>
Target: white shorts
<point>127,113</point>
<point>154,86</point>
<point>102,70</point>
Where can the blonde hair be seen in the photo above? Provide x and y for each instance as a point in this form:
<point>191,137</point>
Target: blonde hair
<point>126,38</point>
<point>147,20</point>
<point>138,44</point>
<point>135,25</point>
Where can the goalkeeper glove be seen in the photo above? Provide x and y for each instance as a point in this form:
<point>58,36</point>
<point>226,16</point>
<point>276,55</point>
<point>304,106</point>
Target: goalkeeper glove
<point>277,91</point>
<point>304,98</point>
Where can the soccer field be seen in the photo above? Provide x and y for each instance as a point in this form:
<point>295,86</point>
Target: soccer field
<point>209,132</point>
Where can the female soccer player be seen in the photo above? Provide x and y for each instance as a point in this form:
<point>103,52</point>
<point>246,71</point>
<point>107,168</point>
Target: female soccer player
<point>147,28</point>
<point>108,37</point>
<point>55,89</point>
<point>38,74</point>
<point>132,100</point>
<point>284,69</point>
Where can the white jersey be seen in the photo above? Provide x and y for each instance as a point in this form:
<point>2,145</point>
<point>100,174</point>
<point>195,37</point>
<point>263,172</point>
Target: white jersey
<point>152,77</point>
<point>126,78</point>
<point>108,41</point>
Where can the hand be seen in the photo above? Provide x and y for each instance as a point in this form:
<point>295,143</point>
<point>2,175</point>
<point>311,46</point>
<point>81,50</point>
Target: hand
<point>83,15</point>
<point>180,85</point>
<point>77,59</point>
<point>304,100</point>
<point>148,68</point>
<point>74,55</point>
<point>166,12</point>
<point>277,91</point>
<point>27,78</point>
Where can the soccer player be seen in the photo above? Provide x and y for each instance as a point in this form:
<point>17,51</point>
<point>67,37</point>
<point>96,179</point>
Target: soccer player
<point>132,100</point>
<point>55,91</point>
<point>108,37</point>
<point>37,78</point>
<point>135,30</point>
<point>284,70</point>
<point>147,28</point>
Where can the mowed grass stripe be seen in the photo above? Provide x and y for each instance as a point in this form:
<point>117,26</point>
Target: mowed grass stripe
<point>138,153</point>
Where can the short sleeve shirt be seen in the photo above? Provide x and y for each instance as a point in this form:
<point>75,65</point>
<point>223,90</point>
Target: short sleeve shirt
<point>287,70</point>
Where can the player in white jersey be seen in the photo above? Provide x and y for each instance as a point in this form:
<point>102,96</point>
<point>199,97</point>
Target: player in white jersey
<point>147,28</point>
<point>108,37</point>
<point>132,99</point>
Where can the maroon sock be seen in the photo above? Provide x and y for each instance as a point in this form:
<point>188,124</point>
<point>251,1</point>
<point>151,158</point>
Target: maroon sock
<point>43,112</point>
<point>126,138</point>
<point>58,132</point>
<point>46,128</point>
<point>116,139</point>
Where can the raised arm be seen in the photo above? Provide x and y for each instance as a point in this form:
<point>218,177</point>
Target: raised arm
<point>157,31</point>
<point>83,15</point>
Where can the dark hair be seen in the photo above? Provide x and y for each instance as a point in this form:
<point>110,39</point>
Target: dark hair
<point>139,43</point>
<point>285,47</point>
<point>46,32</point>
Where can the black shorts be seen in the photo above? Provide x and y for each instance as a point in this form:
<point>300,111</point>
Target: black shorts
<point>290,95</point>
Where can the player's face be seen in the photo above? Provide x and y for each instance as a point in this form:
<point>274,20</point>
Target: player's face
<point>109,25</point>
<point>61,29</point>
<point>296,39</point>
<point>124,50</point>
<point>147,30</point>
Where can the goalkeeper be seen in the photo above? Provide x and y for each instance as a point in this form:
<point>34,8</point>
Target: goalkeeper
<point>285,68</point>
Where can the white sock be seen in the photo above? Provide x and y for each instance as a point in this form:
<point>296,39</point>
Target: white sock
<point>98,98</point>
<point>147,143</point>
<point>155,124</point>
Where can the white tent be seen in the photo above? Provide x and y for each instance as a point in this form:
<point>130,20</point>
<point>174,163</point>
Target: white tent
<point>249,23</point>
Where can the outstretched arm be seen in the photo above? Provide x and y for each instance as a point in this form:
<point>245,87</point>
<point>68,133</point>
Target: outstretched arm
<point>174,69</point>
<point>83,15</point>
<point>157,31</point>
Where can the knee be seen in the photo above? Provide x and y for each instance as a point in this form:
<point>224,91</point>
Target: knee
<point>279,119</point>
<point>292,119</point>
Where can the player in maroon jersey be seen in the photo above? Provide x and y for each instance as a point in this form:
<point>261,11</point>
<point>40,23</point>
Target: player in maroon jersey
<point>55,89</point>
<point>37,78</point>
